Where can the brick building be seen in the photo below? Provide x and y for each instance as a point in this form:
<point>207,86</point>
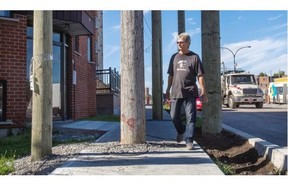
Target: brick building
<point>263,82</point>
<point>77,53</point>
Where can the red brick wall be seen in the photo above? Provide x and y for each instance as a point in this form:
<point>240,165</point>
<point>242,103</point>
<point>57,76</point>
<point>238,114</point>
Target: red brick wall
<point>81,98</point>
<point>81,101</point>
<point>13,66</point>
<point>85,95</point>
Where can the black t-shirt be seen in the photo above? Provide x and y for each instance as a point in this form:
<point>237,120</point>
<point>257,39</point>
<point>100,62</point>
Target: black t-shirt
<point>185,68</point>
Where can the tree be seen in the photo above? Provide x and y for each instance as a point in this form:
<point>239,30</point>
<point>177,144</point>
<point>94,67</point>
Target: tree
<point>279,74</point>
<point>262,74</point>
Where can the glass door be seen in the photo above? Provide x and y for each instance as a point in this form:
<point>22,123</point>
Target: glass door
<point>57,72</point>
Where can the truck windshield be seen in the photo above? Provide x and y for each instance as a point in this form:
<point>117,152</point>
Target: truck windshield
<point>243,79</point>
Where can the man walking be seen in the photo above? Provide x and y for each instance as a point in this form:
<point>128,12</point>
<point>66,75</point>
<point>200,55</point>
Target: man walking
<point>184,67</point>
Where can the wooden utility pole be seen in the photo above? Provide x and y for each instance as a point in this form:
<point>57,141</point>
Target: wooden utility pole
<point>133,121</point>
<point>181,21</point>
<point>211,113</point>
<point>157,80</point>
<point>41,144</point>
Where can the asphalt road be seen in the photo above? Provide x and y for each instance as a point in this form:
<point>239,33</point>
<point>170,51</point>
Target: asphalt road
<point>268,123</point>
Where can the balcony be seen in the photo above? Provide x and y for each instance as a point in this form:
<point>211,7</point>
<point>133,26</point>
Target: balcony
<point>71,22</point>
<point>108,81</point>
<point>74,22</point>
<point>108,92</point>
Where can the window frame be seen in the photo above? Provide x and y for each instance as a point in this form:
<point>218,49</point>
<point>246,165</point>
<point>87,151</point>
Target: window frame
<point>89,49</point>
<point>5,13</point>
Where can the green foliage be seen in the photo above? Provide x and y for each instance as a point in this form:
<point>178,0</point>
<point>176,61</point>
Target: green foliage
<point>198,122</point>
<point>16,145</point>
<point>13,147</point>
<point>112,118</point>
<point>262,74</point>
<point>279,74</point>
<point>226,169</point>
<point>166,106</point>
<point>6,164</point>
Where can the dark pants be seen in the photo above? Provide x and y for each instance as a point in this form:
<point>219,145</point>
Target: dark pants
<point>189,105</point>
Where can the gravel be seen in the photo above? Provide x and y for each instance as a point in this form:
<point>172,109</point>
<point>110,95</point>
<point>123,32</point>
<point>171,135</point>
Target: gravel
<point>63,152</point>
<point>60,154</point>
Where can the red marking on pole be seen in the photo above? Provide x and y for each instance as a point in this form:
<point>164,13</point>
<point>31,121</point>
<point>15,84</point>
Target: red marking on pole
<point>131,123</point>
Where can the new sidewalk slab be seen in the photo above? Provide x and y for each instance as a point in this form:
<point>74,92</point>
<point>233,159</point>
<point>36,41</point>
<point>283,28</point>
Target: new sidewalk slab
<point>175,159</point>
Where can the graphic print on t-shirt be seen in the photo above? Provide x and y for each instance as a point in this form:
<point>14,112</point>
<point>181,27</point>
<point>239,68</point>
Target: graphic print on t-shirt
<point>181,66</point>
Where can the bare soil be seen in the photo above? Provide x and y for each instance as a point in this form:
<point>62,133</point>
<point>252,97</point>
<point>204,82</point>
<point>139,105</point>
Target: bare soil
<point>234,155</point>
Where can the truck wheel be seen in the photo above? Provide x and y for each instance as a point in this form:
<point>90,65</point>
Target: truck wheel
<point>232,103</point>
<point>223,103</point>
<point>259,105</point>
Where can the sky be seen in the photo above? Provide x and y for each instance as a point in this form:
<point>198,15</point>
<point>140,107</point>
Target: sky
<point>264,31</point>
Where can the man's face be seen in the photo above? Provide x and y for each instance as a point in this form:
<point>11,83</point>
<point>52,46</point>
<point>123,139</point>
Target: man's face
<point>182,44</point>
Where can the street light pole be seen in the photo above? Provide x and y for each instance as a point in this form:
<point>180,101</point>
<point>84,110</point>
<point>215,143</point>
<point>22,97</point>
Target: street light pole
<point>234,54</point>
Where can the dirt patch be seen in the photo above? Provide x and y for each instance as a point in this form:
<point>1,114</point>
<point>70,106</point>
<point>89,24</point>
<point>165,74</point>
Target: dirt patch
<point>234,155</point>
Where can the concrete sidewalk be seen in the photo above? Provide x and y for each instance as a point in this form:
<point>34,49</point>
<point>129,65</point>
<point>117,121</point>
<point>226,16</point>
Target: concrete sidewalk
<point>171,159</point>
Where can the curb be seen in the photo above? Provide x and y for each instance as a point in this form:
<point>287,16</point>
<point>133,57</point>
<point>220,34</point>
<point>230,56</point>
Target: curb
<point>276,154</point>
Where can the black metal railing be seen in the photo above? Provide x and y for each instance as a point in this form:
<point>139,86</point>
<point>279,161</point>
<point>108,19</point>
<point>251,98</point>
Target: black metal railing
<point>108,80</point>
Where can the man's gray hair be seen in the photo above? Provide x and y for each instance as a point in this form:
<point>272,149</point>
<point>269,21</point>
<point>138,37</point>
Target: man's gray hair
<point>185,36</point>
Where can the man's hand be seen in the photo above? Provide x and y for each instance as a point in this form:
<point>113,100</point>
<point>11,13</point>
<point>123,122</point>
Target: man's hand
<point>167,95</point>
<point>204,96</point>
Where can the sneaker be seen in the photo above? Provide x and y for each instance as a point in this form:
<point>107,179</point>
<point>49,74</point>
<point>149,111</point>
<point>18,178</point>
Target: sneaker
<point>189,145</point>
<point>179,138</point>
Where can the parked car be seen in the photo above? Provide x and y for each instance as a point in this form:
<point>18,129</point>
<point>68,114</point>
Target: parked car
<point>166,105</point>
<point>198,103</point>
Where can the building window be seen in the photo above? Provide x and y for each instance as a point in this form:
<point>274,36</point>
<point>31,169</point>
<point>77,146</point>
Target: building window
<point>2,100</point>
<point>4,13</point>
<point>57,44</point>
<point>76,44</point>
<point>96,22</point>
<point>97,48</point>
<point>56,71</point>
<point>89,49</point>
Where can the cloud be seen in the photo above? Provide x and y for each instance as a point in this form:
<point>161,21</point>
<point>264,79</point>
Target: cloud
<point>110,50</point>
<point>268,55</point>
<point>275,18</point>
<point>274,28</point>
<point>195,31</point>
<point>115,28</point>
<point>191,21</point>
<point>172,43</point>
<point>241,18</point>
